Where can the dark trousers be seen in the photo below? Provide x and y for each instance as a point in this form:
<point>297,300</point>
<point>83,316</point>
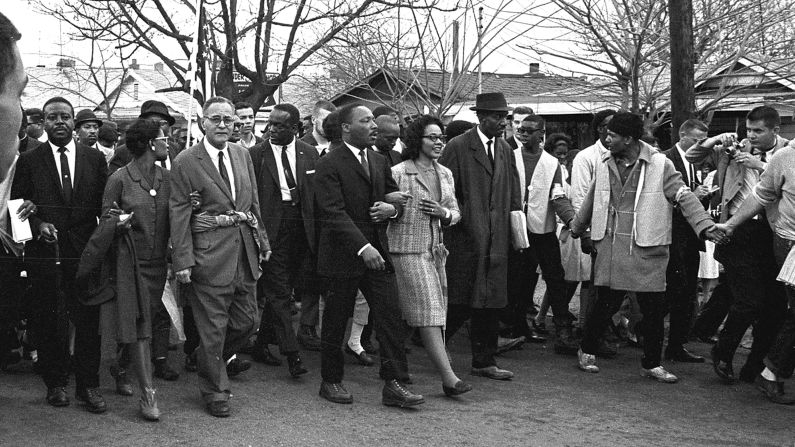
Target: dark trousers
<point>12,294</point>
<point>608,301</point>
<point>681,293</point>
<point>380,290</point>
<point>714,311</point>
<point>781,358</point>
<point>279,277</point>
<point>309,289</point>
<point>483,327</point>
<point>759,299</point>
<point>225,316</point>
<point>49,327</point>
<point>544,251</point>
<point>191,333</point>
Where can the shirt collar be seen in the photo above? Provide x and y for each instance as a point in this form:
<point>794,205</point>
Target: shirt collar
<point>483,138</point>
<point>644,154</point>
<point>70,146</point>
<point>208,146</point>
<point>290,146</point>
<point>355,150</point>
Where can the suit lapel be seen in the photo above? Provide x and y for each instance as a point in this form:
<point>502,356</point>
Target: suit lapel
<point>269,160</point>
<point>479,151</point>
<point>299,166</point>
<point>238,170</point>
<point>679,164</point>
<point>49,161</point>
<point>206,163</point>
<point>411,168</point>
<point>80,166</point>
<point>347,154</point>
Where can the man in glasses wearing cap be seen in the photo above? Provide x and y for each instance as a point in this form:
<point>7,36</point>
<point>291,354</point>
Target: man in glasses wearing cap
<point>487,186</point>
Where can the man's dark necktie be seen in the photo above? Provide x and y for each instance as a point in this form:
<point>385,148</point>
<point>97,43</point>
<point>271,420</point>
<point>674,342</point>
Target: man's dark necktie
<point>491,155</point>
<point>163,164</point>
<point>288,173</point>
<point>363,160</point>
<point>322,153</point>
<point>222,170</point>
<point>66,177</point>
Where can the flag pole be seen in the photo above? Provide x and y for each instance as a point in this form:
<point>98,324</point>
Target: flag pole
<point>192,64</point>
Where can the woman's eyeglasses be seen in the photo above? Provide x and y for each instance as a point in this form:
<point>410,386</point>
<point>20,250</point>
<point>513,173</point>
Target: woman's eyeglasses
<point>435,138</point>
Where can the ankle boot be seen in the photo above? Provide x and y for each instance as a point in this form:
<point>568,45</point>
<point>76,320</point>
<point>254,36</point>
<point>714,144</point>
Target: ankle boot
<point>148,405</point>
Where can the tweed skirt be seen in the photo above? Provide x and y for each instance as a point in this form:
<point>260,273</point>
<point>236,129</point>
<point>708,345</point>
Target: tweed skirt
<point>422,287</point>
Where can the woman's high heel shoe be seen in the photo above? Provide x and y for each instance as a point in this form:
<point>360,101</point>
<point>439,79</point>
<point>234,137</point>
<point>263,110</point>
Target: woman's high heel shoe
<point>460,387</point>
<point>148,405</point>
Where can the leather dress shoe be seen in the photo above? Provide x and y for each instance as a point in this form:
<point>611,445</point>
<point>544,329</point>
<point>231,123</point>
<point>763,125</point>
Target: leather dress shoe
<point>369,348</point>
<point>460,387</point>
<point>218,408</point>
<point>492,372</point>
<point>539,328</point>
<point>335,392</point>
<point>749,371</point>
<point>264,356</point>
<point>711,339</point>
<point>774,391</point>
<point>722,368</point>
<point>395,394</point>
<point>123,385</point>
<point>307,336</point>
<point>191,364</point>
<point>56,396</point>
<point>148,405</point>
<point>163,371</point>
<point>363,357</point>
<point>659,374</point>
<point>237,366</point>
<point>683,356</point>
<point>507,344</point>
<point>92,399</point>
<point>295,365</point>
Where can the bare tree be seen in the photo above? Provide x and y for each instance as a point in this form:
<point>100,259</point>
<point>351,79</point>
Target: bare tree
<point>264,41</point>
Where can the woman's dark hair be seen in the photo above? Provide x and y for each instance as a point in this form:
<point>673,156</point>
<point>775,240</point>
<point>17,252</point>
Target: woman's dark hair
<point>554,138</point>
<point>332,127</point>
<point>414,134</point>
<point>458,127</point>
<point>139,134</point>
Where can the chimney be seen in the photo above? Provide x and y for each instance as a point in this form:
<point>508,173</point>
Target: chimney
<point>65,62</point>
<point>134,65</point>
<point>159,67</point>
<point>534,67</point>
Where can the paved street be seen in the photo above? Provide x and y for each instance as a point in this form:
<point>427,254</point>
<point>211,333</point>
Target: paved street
<point>550,402</point>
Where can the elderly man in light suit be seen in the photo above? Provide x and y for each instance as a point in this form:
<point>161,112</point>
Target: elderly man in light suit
<point>219,248</point>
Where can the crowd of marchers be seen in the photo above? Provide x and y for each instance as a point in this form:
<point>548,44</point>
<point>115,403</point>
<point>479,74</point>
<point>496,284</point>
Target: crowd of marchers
<point>387,228</point>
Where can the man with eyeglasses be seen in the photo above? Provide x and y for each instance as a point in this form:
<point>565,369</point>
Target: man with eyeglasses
<point>218,249</point>
<point>487,189</point>
<point>157,112</point>
<point>543,197</point>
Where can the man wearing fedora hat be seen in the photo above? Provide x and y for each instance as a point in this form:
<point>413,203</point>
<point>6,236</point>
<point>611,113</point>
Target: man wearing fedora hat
<point>487,187</point>
<point>154,111</point>
<point>87,127</point>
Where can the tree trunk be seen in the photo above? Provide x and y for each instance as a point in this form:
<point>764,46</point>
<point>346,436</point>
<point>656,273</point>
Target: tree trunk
<point>683,102</point>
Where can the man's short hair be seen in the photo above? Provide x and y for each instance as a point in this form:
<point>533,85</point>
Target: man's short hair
<point>383,110</point>
<point>9,35</point>
<point>597,120</point>
<point>216,100</point>
<point>767,114</point>
<point>244,105</point>
<point>35,114</point>
<point>323,105</point>
<point>626,124</point>
<point>538,119</point>
<point>59,100</point>
<point>295,115</point>
<point>691,124</point>
<point>346,112</point>
<point>332,128</point>
<point>107,134</point>
<point>523,110</point>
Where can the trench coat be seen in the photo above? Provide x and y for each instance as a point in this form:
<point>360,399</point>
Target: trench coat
<point>477,267</point>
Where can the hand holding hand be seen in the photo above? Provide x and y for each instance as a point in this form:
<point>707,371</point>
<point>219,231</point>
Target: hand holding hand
<point>432,208</point>
<point>718,233</point>
<point>26,209</point>
<point>372,259</point>
<point>587,246</point>
<point>48,232</point>
<point>195,200</point>
<point>401,197</point>
<point>702,192</point>
<point>183,276</point>
<point>381,211</point>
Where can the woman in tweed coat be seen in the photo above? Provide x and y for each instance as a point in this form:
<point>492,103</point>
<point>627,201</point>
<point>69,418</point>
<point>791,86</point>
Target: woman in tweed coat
<point>415,241</point>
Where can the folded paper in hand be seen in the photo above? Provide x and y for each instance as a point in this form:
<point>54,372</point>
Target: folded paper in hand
<point>519,230</point>
<point>19,230</point>
<point>787,273</point>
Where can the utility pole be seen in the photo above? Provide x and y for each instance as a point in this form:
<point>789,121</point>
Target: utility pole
<point>683,101</point>
<point>480,50</point>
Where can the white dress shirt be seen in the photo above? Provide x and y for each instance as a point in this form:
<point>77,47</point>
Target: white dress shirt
<point>70,157</point>
<point>277,154</point>
<point>484,139</point>
<point>213,151</point>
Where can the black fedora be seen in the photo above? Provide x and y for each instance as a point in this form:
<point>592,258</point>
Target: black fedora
<point>86,116</point>
<point>158,108</point>
<point>491,102</point>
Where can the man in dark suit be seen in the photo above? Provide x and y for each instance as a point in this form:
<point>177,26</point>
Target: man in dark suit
<point>350,188</point>
<point>285,168</point>
<point>388,135</point>
<point>65,180</point>
<point>318,137</point>
<point>487,189</point>
<point>219,252</point>
<point>682,273</point>
<point>157,112</point>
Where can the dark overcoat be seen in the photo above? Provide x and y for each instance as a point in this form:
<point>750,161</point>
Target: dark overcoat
<point>477,268</point>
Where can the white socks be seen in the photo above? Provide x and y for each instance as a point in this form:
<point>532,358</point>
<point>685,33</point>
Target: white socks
<point>355,340</point>
<point>768,374</point>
